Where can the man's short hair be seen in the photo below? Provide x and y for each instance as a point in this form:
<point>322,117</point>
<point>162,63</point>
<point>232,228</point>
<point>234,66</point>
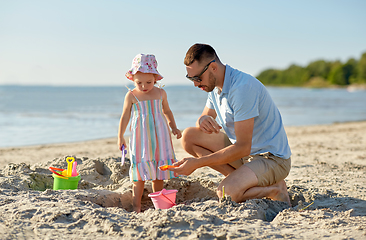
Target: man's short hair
<point>199,52</point>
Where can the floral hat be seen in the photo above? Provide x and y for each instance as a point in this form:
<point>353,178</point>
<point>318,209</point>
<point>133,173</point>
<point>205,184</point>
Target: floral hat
<point>145,63</point>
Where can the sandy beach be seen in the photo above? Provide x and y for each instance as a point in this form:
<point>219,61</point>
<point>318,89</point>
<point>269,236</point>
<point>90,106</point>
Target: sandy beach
<point>327,187</point>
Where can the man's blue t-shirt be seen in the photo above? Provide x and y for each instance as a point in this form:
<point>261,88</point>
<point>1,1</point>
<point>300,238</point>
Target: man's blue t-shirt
<point>244,97</point>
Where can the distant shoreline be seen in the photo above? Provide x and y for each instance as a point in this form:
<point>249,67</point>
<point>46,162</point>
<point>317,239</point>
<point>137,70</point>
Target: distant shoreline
<point>355,86</point>
<point>94,149</point>
<point>114,138</point>
<point>350,86</point>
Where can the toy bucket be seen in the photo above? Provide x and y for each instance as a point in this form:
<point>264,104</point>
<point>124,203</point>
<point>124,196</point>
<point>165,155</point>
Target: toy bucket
<point>65,183</point>
<point>163,199</point>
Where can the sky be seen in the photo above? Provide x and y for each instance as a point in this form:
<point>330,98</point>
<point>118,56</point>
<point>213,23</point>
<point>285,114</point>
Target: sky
<point>92,43</point>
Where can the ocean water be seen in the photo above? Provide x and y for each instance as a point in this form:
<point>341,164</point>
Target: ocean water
<point>32,115</point>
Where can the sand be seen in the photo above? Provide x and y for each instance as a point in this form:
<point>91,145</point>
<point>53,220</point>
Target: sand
<point>327,187</point>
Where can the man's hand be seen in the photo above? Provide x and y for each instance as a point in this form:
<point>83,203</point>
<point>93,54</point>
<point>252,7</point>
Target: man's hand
<point>186,166</point>
<point>209,125</point>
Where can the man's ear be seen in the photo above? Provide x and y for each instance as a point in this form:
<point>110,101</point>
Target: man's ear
<point>214,66</point>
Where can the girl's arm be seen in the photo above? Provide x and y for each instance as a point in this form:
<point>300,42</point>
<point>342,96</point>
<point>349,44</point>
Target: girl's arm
<point>169,115</point>
<point>125,118</point>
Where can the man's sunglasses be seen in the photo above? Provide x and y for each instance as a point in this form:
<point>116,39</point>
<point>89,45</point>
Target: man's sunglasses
<point>197,78</point>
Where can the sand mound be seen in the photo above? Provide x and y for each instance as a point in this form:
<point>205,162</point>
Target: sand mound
<point>326,186</point>
<point>102,204</point>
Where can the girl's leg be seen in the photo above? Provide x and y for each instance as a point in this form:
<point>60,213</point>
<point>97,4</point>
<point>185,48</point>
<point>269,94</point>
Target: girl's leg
<point>157,185</point>
<point>137,191</point>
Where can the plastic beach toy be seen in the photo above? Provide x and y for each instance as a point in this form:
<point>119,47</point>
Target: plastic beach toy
<point>74,173</point>
<point>65,178</point>
<point>124,152</point>
<point>166,167</point>
<point>70,183</point>
<point>163,199</point>
<point>58,172</point>
<point>62,182</point>
<point>69,161</point>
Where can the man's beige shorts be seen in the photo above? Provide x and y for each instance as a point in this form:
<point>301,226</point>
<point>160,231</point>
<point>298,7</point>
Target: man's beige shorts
<point>268,168</point>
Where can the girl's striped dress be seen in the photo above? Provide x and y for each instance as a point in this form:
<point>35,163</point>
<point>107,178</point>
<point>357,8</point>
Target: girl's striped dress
<point>150,144</point>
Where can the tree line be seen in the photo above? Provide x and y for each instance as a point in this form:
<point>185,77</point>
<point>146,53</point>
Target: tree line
<point>319,73</point>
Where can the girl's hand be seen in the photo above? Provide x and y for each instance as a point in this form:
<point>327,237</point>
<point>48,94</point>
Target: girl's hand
<point>121,141</point>
<point>209,125</point>
<point>177,132</point>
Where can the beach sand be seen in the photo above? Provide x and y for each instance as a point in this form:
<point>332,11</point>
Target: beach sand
<point>327,187</point>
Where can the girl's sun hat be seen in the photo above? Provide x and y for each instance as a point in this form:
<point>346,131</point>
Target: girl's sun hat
<point>145,63</point>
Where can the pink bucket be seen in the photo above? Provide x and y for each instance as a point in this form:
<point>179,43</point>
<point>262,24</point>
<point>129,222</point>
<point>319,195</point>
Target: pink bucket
<point>163,199</point>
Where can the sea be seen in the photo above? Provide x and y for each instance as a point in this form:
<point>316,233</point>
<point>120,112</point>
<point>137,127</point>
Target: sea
<point>36,115</point>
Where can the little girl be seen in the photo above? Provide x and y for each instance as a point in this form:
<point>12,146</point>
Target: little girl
<point>150,145</point>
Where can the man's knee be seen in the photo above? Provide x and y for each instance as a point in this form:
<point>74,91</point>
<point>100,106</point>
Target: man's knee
<point>189,134</point>
<point>238,183</point>
<point>228,191</point>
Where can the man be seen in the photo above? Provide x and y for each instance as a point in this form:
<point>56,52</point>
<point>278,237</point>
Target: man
<point>253,154</point>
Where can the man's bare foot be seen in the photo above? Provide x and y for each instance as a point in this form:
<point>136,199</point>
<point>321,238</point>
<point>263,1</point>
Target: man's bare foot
<point>280,192</point>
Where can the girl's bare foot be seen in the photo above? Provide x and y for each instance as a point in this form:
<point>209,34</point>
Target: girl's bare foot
<point>137,209</point>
